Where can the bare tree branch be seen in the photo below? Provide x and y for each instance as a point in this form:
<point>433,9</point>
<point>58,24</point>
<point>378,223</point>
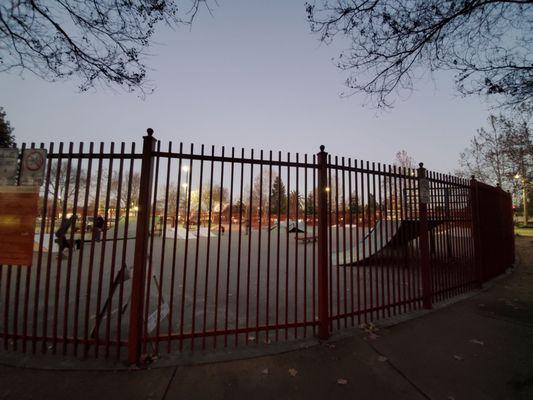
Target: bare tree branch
<point>488,43</point>
<point>97,42</point>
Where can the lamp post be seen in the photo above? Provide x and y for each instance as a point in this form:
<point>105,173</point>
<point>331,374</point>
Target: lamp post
<point>522,179</point>
<point>185,187</point>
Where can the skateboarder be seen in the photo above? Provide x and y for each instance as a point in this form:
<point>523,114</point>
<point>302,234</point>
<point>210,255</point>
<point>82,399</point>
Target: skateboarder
<point>99,227</point>
<point>61,234</point>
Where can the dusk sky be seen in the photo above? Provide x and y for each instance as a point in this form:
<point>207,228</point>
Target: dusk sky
<point>251,76</point>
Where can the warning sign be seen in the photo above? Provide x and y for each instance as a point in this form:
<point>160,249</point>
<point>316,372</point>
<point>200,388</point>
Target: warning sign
<point>32,168</point>
<point>8,166</point>
<point>18,213</point>
<point>423,187</point>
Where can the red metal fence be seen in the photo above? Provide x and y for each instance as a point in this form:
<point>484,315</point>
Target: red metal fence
<point>178,249</point>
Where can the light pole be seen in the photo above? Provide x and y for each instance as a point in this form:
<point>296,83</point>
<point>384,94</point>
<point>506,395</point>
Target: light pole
<point>522,179</point>
<point>185,186</point>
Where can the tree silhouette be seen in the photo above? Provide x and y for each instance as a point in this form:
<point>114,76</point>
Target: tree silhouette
<point>404,160</point>
<point>296,201</point>
<point>487,43</point>
<point>354,206</point>
<point>102,41</point>
<point>310,203</point>
<point>7,139</point>
<point>497,153</point>
<point>278,197</point>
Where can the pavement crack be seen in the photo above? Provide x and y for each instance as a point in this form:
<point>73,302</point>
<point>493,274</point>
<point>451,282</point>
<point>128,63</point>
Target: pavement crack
<point>169,383</point>
<point>401,373</point>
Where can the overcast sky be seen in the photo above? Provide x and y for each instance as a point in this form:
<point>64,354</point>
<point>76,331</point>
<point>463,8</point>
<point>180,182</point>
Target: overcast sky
<point>252,76</point>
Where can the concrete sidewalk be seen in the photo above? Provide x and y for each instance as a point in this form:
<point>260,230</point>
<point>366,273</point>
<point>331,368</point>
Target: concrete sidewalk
<point>480,348</point>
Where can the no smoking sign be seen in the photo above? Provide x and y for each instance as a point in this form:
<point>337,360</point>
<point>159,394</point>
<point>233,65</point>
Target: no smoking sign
<point>34,160</point>
<point>33,163</point>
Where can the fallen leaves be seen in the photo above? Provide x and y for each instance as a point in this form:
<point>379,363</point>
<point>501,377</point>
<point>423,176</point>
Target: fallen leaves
<point>293,372</point>
<point>266,371</point>
<point>342,381</point>
<point>382,358</point>
<point>370,329</point>
<point>458,357</point>
<point>476,341</point>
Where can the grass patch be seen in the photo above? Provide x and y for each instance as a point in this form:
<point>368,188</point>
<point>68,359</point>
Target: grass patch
<point>523,231</point>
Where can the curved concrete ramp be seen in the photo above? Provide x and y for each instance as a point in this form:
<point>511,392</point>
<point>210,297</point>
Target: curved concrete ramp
<point>386,233</point>
<point>371,243</point>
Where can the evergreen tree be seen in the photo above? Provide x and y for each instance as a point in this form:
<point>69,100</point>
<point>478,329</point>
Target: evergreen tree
<point>353,205</point>
<point>278,197</point>
<point>7,139</point>
<point>371,205</point>
<point>296,202</point>
<point>310,206</point>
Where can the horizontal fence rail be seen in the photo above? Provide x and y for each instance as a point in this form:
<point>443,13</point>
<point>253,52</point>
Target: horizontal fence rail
<point>183,248</point>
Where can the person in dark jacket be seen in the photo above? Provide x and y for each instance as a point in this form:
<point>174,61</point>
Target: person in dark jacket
<point>61,234</point>
<point>99,227</point>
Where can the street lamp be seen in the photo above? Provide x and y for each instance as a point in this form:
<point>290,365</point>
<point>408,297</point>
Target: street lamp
<point>522,179</point>
<point>185,186</point>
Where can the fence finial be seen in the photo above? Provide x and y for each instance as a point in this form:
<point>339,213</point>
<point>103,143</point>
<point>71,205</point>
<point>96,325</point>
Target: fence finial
<point>150,132</point>
<point>421,165</point>
<point>322,147</point>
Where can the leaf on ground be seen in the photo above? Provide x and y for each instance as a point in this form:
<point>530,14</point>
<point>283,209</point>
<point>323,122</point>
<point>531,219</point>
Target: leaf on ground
<point>382,358</point>
<point>330,345</point>
<point>342,381</point>
<point>458,358</point>
<point>476,341</point>
<point>371,336</point>
<point>369,328</point>
<point>251,338</point>
<point>265,371</point>
<point>293,372</point>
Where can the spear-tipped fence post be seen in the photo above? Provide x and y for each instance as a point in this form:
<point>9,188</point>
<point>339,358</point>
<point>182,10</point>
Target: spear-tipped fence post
<point>323,317</point>
<point>476,238</point>
<point>141,249</point>
<point>425,264</point>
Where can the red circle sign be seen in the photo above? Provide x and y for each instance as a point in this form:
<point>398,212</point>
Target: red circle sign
<point>34,160</point>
